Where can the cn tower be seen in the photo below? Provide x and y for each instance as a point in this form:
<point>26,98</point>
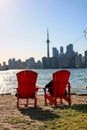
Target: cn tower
<point>47,41</point>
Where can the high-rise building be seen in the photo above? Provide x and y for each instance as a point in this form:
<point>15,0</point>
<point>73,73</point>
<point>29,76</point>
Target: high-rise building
<point>69,49</point>
<point>30,63</point>
<point>61,50</point>
<point>55,52</point>
<point>44,62</point>
<point>86,58</point>
<point>70,55</point>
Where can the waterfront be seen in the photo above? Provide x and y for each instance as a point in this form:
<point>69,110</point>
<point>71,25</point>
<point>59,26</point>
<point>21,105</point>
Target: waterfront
<point>78,80</point>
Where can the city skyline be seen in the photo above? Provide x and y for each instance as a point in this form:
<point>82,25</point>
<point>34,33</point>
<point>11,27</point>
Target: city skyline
<point>59,52</point>
<point>23,27</point>
<point>59,59</point>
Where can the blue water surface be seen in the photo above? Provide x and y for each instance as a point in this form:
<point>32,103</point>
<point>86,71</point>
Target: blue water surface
<point>78,80</point>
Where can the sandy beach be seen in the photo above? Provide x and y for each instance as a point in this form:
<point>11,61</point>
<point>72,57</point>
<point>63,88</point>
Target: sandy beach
<point>27,118</point>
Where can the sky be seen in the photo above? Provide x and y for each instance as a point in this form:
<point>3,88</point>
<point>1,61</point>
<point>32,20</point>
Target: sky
<point>24,23</point>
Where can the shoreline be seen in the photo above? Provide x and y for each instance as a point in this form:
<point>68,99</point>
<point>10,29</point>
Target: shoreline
<point>40,99</point>
<point>80,94</point>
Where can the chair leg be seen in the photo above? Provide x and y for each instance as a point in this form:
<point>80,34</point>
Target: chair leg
<point>35,102</point>
<point>26,102</point>
<point>45,100</point>
<point>17,102</point>
<point>55,102</point>
<point>61,100</point>
<point>70,102</point>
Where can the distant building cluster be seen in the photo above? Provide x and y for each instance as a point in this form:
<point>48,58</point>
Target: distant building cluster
<point>69,59</point>
<point>19,64</point>
<point>59,59</point>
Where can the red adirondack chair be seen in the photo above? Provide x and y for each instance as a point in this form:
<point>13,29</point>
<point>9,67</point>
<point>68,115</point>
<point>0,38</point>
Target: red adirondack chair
<point>27,86</point>
<point>60,83</point>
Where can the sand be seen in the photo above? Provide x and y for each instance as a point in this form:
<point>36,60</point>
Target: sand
<point>27,118</point>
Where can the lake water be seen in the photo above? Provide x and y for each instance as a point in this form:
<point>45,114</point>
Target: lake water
<point>78,80</point>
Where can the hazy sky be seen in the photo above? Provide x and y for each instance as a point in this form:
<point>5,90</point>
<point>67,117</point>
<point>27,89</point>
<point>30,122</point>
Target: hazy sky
<point>23,27</point>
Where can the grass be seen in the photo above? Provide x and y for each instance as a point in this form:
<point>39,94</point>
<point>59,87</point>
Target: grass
<point>16,120</point>
<point>59,118</point>
<point>73,118</point>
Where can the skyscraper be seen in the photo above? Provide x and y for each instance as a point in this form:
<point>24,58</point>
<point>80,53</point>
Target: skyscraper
<point>70,50</point>
<point>70,55</point>
<point>86,58</point>
<point>55,52</point>
<point>61,50</point>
